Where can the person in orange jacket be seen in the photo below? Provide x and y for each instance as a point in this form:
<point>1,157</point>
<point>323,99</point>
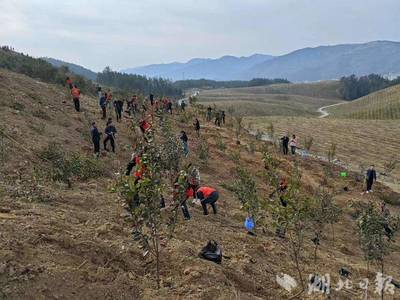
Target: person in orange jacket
<point>207,195</point>
<point>76,94</point>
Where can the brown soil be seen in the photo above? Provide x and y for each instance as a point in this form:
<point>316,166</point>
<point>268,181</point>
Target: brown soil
<point>60,243</point>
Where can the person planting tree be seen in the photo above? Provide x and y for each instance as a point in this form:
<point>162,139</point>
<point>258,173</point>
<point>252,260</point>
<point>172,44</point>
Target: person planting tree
<point>207,195</point>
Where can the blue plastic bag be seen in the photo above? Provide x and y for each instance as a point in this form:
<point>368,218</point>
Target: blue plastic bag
<point>249,223</point>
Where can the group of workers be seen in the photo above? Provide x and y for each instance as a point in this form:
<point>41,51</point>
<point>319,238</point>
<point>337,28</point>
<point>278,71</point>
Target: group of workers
<point>204,194</point>
<point>218,114</point>
<point>191,177</point>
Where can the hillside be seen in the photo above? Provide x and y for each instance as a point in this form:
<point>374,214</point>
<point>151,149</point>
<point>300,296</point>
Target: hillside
<point>307,64</point>
<point>76,243</point>
<point>381,105</point>
<point>77,69</point>
<point>276,99</point>
<point>198,68</point>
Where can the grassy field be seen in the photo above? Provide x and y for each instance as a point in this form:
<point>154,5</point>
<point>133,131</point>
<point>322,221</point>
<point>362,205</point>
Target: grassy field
<point>359,142</point>
<point>273,100</point>
<point>381,105</point>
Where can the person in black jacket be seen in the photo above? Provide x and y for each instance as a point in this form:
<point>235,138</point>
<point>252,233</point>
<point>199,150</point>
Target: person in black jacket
<point>94,132</point>
<point>184,139</point>
<point>371,177</point>
<point>118,105</point>
<point>110,132</point>
<point>196,125</point>
<point>285,144</point>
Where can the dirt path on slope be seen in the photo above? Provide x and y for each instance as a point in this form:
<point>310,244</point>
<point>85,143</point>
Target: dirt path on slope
<point>323,112</point>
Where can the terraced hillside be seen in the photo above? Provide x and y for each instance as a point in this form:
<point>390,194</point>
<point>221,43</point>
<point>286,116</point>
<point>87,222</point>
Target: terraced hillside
<point>275,100</point>
<point>381,105</point>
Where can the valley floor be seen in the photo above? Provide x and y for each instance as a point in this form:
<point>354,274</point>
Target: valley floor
<point>359,143</point>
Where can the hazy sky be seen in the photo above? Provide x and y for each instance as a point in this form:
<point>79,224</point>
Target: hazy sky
<point>127,33</point>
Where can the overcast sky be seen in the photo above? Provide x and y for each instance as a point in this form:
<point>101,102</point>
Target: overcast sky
<point>128,33</point>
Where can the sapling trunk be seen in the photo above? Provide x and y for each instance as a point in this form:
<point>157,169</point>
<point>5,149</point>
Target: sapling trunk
<point>383,285</point>
<point>295,250</point>
<point>315,253</point>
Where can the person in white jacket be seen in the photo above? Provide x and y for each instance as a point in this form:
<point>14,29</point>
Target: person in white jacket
<point>293,144</point>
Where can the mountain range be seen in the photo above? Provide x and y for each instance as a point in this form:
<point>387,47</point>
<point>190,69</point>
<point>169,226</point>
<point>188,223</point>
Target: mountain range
<point>307,64</point>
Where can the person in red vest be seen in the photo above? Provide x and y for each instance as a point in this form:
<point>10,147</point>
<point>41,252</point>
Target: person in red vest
<point>207,195</point>
<point>69,83</point>
<point>144,126</point>
<point>76,95</point>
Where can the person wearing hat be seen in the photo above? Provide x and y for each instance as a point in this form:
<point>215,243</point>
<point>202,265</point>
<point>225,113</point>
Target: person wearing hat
<point>207,195</point>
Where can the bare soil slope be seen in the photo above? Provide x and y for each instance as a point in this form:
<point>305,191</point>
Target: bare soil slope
<point>61,243</point>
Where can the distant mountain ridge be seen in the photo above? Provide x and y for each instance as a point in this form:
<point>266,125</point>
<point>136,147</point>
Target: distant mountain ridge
<point>77,69</point>
<point>307,64</point>
<point>215,69</point>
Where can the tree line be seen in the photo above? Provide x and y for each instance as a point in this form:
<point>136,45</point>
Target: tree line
<point>212,84</point>
<point>353,87</point>
<point>138,83</point>
<point>40,69</point>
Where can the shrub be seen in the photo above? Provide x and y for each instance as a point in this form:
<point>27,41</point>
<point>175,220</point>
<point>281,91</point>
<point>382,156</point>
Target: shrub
<point>251,147</point>
<point>220,142</point>
<point>376,234</point>
<point>332,152</point>
<point>3,145</point>
<point>246,191</point>
<point>41,115</point>
<point>65,168</point>
<point>308,142</point>
<point>17,106</point>
<point>203,150</point>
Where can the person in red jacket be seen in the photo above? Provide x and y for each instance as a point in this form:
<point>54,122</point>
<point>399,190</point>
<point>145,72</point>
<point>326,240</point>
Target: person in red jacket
<point>207,195</point>
<point>188,193</point>
<point>144,126</point>
<point>69,83</point>
<point>76,94</point>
